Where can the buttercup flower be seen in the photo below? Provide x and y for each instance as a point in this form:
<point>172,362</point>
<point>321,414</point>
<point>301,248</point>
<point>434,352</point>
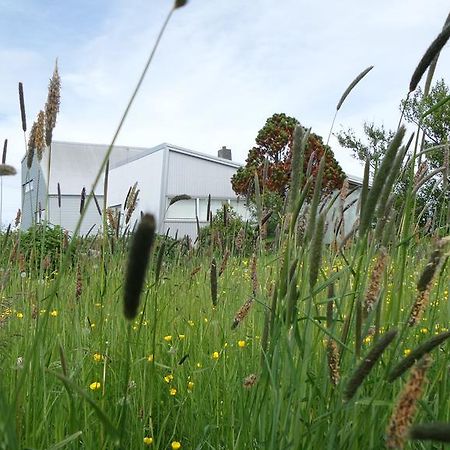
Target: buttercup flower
<point>241,344</point>
<point>94,386</point>
<point>176,445</point>
<point>97,357</point>
<point>173,391</point>
<point>148,440</point>
<point>215,355</point>
<point>54,313</point>
<point>168,338</point>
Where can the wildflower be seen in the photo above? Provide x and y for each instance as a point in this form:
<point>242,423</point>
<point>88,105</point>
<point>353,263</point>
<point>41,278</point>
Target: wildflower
<point>168,378</point>
<point>173,391</point>
<point>54,313</point>
<point>181,336</point>
<point>97,357</point>
<point>407,351</point>
<point>148,440</point>
<point>191,323</point>
<point>367,339</point>
<point>92,325</point>
<point>150,358</point>
<point>190,385</point>
<point>215,355</point>
<point>168,338</point>
<point>241,344</point>
<point>176,445</point>
<point>19,315</point>
<point>424,330</point>
<point>95,385</point>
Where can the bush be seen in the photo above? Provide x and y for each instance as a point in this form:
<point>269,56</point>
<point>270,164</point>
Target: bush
<point>228,231</point>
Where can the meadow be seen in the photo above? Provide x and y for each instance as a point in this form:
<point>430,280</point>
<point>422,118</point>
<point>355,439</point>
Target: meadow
<point>132,340</point>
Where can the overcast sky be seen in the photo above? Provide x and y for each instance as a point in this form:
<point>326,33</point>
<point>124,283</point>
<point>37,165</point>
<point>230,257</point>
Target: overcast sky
<point>223,67</point>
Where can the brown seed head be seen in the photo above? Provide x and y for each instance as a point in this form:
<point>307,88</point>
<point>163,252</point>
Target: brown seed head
<point>52,105</point>
<point>405,408</point>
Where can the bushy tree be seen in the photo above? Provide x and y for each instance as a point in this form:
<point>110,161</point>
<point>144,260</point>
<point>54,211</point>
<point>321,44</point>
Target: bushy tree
<point>271,159</point>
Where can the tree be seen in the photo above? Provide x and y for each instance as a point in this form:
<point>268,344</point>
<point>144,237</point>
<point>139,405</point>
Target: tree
<point>374,145</point>
<point>271,159</point>
<point>433,195</point>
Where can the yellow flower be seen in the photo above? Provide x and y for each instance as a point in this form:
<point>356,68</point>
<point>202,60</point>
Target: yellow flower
<point>367,340</point>
<point>98,357</point>
<point>94,386</point>
<point>168,338</point>
<point>424,330</point>
<point>191,323</point>
<point>241,344</point>
<point>206,320</point>
<point>407,351</point>
<point>215,355</point>
<point>54,313</point>
<point>173,391</point>
<point>148,440</point>
<point>168,378</point>
<point>92,325</point>
<point>150,358</point>
<point>190,385</point>
<point>19,315</point>
<point>176,445</point>
<point>181,336</point>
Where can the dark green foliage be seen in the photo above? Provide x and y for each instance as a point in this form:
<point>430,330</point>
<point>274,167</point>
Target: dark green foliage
<point>225,236</point>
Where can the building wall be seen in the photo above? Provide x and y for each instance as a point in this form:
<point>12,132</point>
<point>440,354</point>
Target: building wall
<point>35,179</point>
<point>351,214</point>
<point>69,214</point>
<point>148,172</point>
<point>198,178</point>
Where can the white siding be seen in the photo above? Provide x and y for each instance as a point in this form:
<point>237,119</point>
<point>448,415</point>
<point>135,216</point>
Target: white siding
<point>198,177</point>
<point>69,214</point>
<point>147,172</point>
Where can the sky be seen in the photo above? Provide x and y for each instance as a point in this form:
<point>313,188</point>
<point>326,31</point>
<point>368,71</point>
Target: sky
<point>222,68</point>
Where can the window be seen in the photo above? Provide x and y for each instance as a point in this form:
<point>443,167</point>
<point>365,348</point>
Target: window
<point>182,209</point>
<point>28,186</point>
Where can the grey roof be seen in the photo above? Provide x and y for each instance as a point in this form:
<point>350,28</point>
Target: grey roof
<point>178,149</point>
<point>75,165</point>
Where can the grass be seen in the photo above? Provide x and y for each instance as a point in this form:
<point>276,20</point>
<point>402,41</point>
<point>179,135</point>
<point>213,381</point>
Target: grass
<point>187,366</point>
<point>276,352</point>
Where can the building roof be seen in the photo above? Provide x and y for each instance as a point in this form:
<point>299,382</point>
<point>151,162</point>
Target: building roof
<point>75,165</point>
<point>178,149</point>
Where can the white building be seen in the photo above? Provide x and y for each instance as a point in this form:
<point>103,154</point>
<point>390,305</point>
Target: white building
<point>161,173</point>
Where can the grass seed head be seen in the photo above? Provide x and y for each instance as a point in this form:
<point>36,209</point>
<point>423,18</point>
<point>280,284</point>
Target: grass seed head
<point>52,105</point>
<point>405,407</point>
<point>22,108</point>
<point>367,364</point>
<point>431,53</point>
<point>138,258</point>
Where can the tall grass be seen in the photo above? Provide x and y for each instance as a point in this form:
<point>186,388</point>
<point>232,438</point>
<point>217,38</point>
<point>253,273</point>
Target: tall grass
<point>304,345</point>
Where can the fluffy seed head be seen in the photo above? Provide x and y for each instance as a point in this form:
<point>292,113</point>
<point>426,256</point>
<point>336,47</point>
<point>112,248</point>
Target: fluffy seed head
<point>52,105</point>
<point>405,408</point>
